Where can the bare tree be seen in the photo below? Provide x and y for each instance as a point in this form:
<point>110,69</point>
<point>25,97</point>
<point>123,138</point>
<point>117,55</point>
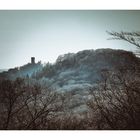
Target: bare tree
<point>131,37</point>
<point>10,92</point>
<point>25,106</point>
<point>116,101</point>
<point>117,97</point>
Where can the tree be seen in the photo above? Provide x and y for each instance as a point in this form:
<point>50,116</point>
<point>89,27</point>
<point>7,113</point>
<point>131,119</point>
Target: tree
<point>131,37</point>
<point>10,93</point>
<point>27,106</point>
<point>116,101</point>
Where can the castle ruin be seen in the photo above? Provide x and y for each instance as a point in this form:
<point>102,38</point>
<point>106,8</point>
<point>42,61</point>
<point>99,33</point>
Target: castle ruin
<point>32,60</point>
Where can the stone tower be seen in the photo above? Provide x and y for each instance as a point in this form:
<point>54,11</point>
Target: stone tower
<point>32,60</point>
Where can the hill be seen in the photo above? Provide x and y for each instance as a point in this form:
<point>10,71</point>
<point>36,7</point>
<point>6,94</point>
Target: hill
<point>80,71</point>
<point>91,89</point>
<point>2,70</point>
<point>22,71</point>
<point>74,72</point>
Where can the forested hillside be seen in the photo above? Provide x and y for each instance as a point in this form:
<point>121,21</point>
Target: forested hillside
<point>91,89</point>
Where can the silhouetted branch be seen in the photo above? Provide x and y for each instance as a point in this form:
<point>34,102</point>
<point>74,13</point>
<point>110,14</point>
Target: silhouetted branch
<point>131,37</point>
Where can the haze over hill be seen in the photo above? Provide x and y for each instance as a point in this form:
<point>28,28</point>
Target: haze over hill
<point>80,71</point>
<point>72,88</point>
<point>1,70</point>
<point>74,72</point>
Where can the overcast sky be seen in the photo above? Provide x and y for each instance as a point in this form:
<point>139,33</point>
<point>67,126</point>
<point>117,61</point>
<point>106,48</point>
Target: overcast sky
<point>47,34</point>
